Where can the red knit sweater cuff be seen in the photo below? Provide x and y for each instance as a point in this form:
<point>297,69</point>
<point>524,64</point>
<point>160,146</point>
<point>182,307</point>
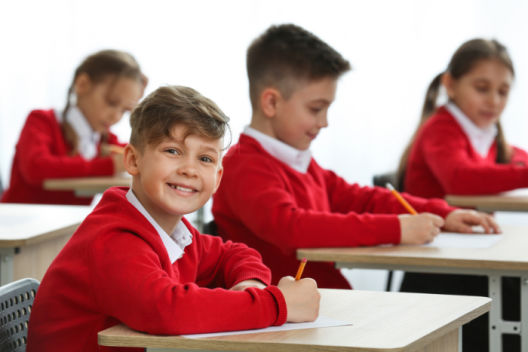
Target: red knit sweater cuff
<point>280,303</point>
<point>265,278</point>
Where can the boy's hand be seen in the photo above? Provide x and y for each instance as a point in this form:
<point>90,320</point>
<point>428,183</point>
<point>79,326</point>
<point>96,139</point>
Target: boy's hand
<point>419,229</point>
<point>242,285</point>
<point>462,220</point>
<point>302,299</point>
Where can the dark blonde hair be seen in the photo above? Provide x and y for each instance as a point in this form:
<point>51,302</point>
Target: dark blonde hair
<point>154,119</point>
<point>99,67</point>
<point>288,53</point>
<point>463,61</point>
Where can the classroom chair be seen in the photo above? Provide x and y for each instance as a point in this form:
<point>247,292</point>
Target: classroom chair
<point>16,300</point>
<point>381,181</point>
<point>210,229</point>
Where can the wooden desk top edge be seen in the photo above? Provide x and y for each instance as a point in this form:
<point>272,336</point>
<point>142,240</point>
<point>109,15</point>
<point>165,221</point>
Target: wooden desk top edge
<point>124,337</point>
<point>68,184</point>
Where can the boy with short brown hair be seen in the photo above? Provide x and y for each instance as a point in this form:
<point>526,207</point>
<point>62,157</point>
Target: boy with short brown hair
<point>136,260</point>
<point>275,198</point>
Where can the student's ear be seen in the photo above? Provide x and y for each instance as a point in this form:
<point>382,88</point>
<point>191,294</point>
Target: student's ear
<point>130,159</point>
<point>219,175</point>
<point>449,83</point>
<point>268,101</point>
<point>82,84</point>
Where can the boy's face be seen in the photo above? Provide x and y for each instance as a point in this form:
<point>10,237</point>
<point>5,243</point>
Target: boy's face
<point>298,120</point>
<point>176,177</point>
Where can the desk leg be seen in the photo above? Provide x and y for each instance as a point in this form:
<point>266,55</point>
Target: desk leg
<point>524,314</point>
<point>495,292</point>
<point>6,265</point>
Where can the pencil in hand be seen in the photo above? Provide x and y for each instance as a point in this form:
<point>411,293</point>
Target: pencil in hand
<point>402,200</point>
<point>301,269</point>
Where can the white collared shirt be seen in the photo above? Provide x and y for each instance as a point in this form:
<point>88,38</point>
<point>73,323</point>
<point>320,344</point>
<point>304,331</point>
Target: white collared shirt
<point>481,138</point>
<point>88,138</point>
<point>175,243</point>
<point>298,160</point>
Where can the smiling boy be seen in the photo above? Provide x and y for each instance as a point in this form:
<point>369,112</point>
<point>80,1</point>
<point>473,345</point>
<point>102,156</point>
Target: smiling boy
<point>136,260</point>
<point>276,198</point>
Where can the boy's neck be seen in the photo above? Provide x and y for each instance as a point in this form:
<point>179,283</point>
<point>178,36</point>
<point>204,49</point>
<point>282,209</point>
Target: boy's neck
<point>166,221</point>
<point>262,124</point>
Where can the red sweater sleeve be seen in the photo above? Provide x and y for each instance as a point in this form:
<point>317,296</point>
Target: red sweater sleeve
<point>272,214</point>
<point>38,162</point>
<point>345,198</point>
<point>230,264</point>
<point>446,155</point>
<point>520,157</point>
<point>129,284</point>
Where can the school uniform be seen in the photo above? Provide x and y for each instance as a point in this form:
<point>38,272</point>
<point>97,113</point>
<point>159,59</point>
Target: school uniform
<point>43,153</point>
<point>121,267</point>
<point>451,155</point>
<point>277,199</point>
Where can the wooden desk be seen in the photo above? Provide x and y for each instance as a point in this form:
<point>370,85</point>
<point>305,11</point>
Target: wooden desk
<point>509,201</point>
<point>31,236</point>
<point>382,321</point>
<point>509,257</point>
<point>87,187</point>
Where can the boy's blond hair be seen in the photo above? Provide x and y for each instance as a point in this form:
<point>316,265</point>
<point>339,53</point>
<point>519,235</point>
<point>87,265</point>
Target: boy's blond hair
<point>155,117</point>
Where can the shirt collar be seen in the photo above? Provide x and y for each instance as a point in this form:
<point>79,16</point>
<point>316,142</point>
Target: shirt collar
<point>481,138</point>
<point>88,138</point>
<point>176,242</point>
<point>298,160</point>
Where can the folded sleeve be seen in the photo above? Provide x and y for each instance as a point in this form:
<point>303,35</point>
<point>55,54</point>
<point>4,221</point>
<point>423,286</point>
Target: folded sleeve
<point>446,156</point>
<point>130,285</point>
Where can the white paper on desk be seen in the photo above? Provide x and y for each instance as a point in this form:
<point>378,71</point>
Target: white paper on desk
<point>459,240</point>
<point>321,322</point>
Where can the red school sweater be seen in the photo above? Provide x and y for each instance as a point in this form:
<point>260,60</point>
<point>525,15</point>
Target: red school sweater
<point>116,269</point>
<point>442,161</point>
<point>275,209</point>
<point>42,153</point>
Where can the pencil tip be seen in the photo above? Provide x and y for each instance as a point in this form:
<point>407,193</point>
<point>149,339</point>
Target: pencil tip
<point>389,186</point>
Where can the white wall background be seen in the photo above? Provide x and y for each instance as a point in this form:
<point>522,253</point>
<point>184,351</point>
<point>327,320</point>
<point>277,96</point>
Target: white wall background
<point>395,47</point>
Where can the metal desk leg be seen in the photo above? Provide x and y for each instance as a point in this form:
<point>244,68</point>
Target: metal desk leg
<point>495,292</point>
<point>6,265</point>
<point>524,314</point>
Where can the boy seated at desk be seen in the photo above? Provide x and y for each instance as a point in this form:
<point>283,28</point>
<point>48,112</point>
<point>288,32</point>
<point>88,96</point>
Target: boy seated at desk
<point>136,260</point>
<point>276,198</point>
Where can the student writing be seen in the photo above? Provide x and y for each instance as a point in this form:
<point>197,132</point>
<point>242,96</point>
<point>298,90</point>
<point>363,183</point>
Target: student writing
<point>136,260</point>
<point>277,199</point>
<point>74,142</point>
<point>459,148</point>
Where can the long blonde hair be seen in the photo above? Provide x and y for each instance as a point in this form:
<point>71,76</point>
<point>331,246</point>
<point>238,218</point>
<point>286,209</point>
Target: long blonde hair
<point>463,60</point>
<point>98,67</point>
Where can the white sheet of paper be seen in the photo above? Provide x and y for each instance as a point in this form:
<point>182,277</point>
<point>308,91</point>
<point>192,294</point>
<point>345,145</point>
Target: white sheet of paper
<point>458,240</point>
<point>321,322</point>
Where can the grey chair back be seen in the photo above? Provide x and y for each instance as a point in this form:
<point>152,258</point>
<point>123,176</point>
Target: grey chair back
<point>16,301</point>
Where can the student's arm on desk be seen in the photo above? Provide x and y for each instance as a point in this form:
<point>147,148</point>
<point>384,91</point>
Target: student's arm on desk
<point>446,156</point>
<point>262,201</point>
<point>38,163</point>
<point>130,285</point>
<point>345,198</point>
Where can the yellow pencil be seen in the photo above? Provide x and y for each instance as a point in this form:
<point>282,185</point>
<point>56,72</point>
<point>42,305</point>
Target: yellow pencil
<point>300,271</point>
<point>398,196</point>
